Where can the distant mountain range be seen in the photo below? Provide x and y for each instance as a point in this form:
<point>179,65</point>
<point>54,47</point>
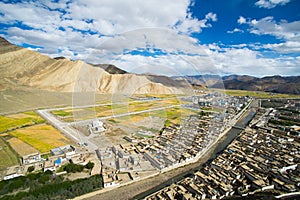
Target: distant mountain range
<point>275,84</point>
<point>20,67</point>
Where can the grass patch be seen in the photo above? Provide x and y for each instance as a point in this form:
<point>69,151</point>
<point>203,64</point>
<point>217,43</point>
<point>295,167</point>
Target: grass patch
<point>61,113</point>
<point>8,156</point>
<point>46,155</point>
<point>257,94</point>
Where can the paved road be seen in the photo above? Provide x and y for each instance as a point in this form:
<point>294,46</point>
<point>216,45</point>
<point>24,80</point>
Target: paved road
<point>121,115</point>
<point>67,129</point>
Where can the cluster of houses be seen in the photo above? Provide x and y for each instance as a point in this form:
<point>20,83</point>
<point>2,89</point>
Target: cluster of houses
<point>179,144</point>
<point>59,156</point>
<point>260,159</point>
<point>121,159</point>
<point>176,145</point>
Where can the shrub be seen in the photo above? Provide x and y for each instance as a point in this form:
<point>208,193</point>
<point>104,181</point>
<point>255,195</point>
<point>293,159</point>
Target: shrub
<point>89,165</point>
<point>30,169</point>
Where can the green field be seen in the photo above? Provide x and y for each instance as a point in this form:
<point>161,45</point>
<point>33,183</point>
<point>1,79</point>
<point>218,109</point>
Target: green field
<point>14,121</point>
<point>62,113</point>
<point>8,157</point>
<point>257,94</point>
<point>171,115</point>
<point>130,105</point>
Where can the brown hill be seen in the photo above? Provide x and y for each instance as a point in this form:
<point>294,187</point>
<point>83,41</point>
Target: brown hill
<point>110,68</point>
<point>23,67</point>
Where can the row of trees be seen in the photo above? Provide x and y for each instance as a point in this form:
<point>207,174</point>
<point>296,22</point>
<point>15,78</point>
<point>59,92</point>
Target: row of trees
<point>72,168</point>
<point>59,190</point>
<point>46,185</point>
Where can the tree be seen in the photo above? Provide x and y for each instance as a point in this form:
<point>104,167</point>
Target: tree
<point>89,165</point>
<point>30,169</point>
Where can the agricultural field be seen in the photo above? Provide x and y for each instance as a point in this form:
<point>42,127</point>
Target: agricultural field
<point>19,120</point>
<point>21,147</point>
<point>42,137</point>
<point>62,113</point>
<point>69,115</point>
<point>25,98</point>
<point>171,115</point>
<point>8,157</point>
<point>257,94</point>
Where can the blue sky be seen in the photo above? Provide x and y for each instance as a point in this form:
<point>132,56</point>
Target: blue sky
<point>170,37</point>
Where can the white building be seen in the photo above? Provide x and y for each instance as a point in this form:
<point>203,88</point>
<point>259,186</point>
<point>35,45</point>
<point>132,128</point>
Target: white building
<point>13,172</point>
<point>31,158</point>
<point>96,127</point>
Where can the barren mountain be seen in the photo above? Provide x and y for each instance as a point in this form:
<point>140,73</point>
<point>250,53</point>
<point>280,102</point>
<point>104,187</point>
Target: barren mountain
<point>276,84</point>
<point>23,67</point>
<point>110,68</point>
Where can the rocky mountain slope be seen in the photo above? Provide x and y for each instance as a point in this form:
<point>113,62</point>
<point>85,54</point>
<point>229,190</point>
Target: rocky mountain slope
<point>23,67</point>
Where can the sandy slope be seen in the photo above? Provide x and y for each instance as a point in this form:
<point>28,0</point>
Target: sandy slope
<point>19,66</point>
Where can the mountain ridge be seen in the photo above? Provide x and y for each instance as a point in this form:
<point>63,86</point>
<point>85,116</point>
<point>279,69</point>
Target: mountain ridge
<point>25,67</point>
<point>275,84</point>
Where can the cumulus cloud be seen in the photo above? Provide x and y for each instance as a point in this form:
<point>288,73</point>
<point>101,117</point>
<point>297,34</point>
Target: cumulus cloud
<point>168,53</point>
<point>270,3</point>
<point>289,32</point>
<point>241,20</point>
<point>251,62</point>
<point>83,24</point>
<point>285,47</point>
<point>211,16</point>
<point>235,30</point>
<point>282,30</point>
<point>151,36</point>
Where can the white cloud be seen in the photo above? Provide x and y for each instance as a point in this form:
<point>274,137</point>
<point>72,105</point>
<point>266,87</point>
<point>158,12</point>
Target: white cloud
<point>285,47</point>
<point>117,26</point>
<point>247,61</point>
<point>211,16</point>
<point>83,24</point>
<point>178,54</point>
<point>178,65</point>
<point>270,3</point>
<point>235,30</point>
<point>241,20</point>
<point>282,30</point>
<point>289,32</point>
<point>191,25</point>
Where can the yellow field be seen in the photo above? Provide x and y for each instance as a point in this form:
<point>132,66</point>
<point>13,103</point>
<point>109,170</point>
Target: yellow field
<point>21,147</point>
<point>19,120</point>
<point>70,115</point>
<point>42,137</point>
